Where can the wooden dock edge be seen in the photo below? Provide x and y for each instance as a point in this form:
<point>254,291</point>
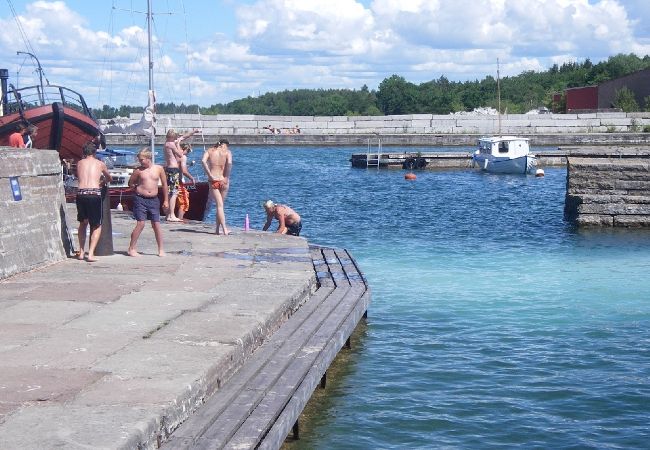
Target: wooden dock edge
<point>261,404</point>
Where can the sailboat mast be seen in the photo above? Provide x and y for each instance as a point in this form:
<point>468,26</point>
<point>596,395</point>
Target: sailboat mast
<point>498,98</point>
<point>149,16</point>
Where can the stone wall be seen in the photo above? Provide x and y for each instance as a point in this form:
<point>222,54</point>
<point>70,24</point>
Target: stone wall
<point>411,124</point>
<point>608,192</point>
<point>32,230</point>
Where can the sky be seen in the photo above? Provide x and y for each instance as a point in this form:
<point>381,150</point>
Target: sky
<point>216,51</point>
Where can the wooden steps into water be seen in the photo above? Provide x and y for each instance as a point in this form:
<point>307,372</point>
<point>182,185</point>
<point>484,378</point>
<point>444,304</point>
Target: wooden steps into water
<point>260,405</point>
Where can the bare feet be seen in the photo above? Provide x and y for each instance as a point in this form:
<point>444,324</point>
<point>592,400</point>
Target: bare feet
<point>173,219</point>
<point>132,252</point>
<point>161,253</point>
<point>91,258</point>
<point>80,256</point>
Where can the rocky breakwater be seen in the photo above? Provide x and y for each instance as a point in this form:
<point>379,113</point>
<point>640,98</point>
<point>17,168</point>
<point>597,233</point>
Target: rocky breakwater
<point>609,192</point>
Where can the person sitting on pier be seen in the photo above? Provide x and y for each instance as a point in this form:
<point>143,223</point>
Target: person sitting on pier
<point>30,135</point>
<point>89,199</point>
<point>16,139</point>
<point>289,221</point>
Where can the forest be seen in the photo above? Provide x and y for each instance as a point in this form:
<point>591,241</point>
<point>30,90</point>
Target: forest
<point>396,95</point>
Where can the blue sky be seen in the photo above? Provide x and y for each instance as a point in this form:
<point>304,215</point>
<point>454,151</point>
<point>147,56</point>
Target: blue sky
<point>216,51</point>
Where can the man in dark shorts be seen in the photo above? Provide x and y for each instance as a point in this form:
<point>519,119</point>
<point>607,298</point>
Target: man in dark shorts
<point>289,222</point>
<point>89,199</point>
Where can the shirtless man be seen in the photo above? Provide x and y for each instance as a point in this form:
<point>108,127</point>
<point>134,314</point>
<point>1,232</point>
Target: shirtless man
<point>173,154</point>
<point>217,163</point>
<point>146,205</point>
<point>89,199</point>
<point>289,221</point>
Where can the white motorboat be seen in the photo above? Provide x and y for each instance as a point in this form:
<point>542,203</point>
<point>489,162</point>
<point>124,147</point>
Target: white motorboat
<point>504,154</point>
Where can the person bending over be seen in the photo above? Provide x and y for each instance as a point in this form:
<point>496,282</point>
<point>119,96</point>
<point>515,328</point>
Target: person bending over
<point>289,221</point>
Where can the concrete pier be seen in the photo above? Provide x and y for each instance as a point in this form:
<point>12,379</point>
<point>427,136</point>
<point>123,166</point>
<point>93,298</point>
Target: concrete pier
<point>118,353</point>
<point>463,160</point>
<point>609,192</point>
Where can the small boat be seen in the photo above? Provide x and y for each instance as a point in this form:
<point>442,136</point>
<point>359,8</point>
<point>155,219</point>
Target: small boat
<point>504,154</point>
<point>64,121</point>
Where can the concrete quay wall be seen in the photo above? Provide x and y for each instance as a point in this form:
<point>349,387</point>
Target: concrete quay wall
<point>411,129</point>
<point>609,192</point>
<point>33,230</point>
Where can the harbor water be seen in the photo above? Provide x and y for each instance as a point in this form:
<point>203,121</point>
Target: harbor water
<point>494,323</point>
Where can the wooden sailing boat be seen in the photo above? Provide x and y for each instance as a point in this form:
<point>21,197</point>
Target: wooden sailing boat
<point>64,121</point>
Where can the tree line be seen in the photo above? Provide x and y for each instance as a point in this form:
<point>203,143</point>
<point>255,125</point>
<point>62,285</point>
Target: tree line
<point>396,95</point>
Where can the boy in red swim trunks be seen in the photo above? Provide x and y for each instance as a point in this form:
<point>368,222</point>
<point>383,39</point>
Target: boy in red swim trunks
<point>183,194</point>
<point>217,163</point>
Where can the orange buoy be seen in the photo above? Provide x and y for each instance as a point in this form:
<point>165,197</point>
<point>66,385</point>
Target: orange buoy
<point>410,176</point>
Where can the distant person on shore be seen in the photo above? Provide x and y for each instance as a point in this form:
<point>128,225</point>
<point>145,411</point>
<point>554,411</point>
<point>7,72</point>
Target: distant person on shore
<point>16,139</point>
<point>67,167</point>
<point>173,154</point>
<point>289,221</point>
<point>183,194</point>
<point>296,130</point>
<point>30,135</point>
<point>217,163</point>
<point>100,142</point>
<point>89,199</point>
<point>270,129</point>
<point>144,180</point>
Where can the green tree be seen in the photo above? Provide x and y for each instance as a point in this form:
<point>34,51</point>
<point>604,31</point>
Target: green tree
<point>396,95</point>
<point>625,100</point>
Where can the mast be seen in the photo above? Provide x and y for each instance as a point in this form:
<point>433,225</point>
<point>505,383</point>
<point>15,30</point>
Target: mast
<point>498,99</point>
<point>151,94</point>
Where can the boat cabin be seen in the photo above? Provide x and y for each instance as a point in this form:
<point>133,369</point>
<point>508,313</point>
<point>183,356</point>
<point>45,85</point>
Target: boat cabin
<point>504,146</point>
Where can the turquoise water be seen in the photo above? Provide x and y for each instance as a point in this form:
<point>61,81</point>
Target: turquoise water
<point>493,323</point>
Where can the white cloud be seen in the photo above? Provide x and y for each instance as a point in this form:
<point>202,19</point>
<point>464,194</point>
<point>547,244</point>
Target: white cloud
<point>286,44</point>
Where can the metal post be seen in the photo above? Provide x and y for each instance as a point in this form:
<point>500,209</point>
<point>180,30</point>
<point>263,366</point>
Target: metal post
<point>4,76</point>
<point>105,243</point>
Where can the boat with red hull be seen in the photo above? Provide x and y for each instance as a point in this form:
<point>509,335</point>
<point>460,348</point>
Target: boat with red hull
<point>64,121</point>
<point>198,199</point>
<point>121,163</point>
<point>66,124</point>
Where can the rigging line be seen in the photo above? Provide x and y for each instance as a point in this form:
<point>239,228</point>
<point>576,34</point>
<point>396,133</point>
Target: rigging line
<point>104,61</point>
<point>187,59</point>
<point>28,44</point>
<point>163,70</point>
<point>129,84</point>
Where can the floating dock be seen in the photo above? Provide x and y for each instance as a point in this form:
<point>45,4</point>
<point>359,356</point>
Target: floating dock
<point>463,160</point>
